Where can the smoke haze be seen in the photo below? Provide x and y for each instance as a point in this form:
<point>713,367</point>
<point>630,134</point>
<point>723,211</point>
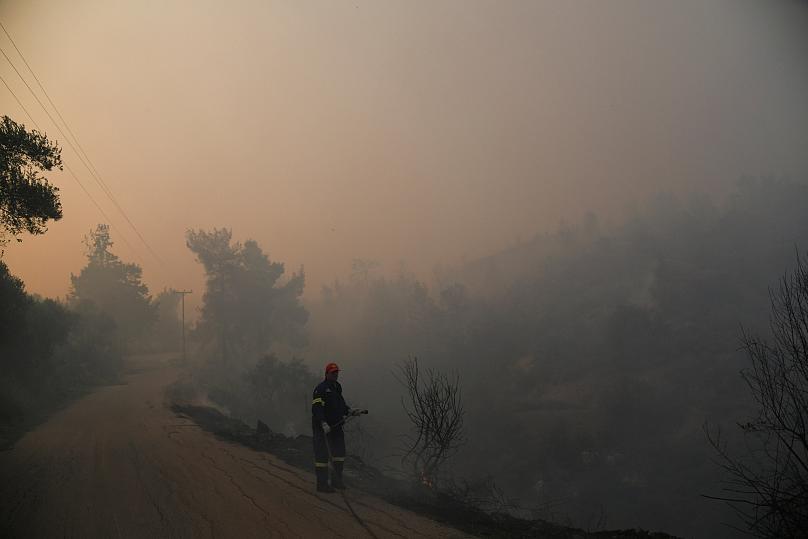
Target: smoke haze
<point>571,204</point>
<point>419,132</point>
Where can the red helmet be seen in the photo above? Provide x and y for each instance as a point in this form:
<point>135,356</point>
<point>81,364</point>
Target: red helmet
<point>331,367</point>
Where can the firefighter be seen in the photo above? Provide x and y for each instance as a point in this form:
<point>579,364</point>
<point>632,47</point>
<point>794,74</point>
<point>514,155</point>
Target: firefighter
<point>328,413</point>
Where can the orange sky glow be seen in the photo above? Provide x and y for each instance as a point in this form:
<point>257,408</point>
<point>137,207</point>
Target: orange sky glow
<point>412,133</point>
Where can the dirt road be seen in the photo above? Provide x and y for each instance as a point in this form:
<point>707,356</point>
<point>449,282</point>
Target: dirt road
<point>118,463</point>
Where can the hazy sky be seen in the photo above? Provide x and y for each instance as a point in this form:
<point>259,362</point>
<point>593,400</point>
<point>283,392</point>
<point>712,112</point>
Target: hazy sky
<point>413,130</point>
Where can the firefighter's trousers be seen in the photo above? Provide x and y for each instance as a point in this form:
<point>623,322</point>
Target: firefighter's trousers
<point>335,442</point>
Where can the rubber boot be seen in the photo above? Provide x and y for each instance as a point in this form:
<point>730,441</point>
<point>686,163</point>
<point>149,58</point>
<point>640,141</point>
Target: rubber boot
<point>322,480</point>
<point>336,478</point>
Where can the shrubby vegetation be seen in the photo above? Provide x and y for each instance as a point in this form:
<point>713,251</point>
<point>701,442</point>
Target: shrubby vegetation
<point>51,351</point>
<point>275,392</point>
<point>48,354</point>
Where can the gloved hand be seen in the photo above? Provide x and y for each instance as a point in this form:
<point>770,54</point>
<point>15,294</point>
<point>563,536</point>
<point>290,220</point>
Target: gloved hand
<point>326,427</point>
<point>355,412</point>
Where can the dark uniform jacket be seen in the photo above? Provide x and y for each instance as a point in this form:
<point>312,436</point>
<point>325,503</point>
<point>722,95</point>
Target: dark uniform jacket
<point>327,403</point>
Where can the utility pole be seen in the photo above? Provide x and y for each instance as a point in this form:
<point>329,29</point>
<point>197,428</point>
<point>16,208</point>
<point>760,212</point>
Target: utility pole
<point>182,293</point>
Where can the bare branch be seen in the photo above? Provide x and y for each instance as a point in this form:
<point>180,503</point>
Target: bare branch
<point>768,485</point>
<point>434,406</point>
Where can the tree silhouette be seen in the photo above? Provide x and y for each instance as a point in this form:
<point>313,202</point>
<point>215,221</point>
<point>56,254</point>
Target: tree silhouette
<point>246,307</point>
<point>114,287</point>
<point>768,484</point>
<point>434,406</point>
<point>27,200</point>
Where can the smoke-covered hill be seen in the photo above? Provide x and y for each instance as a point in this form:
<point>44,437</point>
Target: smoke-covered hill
<point>590,358</point>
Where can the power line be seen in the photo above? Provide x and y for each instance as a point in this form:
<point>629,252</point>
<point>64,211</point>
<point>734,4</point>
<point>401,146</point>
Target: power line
<point>86,192</point>
<point>60,131</point>
<point>183,293</point>
<point>20,104</point>
<point>41,87</point>
<point>86,162</point>
<point>100,209</point>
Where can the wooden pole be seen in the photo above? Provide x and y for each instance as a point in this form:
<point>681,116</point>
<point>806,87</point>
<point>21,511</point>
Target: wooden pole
<point>183,293</point>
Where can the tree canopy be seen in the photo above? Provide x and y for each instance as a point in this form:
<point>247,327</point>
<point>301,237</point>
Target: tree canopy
<point>246,308</point>
<point>114,287</point>
<point>27,199</point>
